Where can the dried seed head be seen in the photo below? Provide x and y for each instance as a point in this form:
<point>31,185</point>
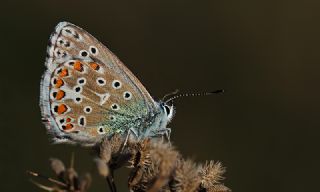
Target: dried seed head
<point>153,163</point>
<point>67,178</point>
<point>218,188</point>
<point>105,150</point>
<point>85,182</point>
<point>157,166</point>
<point>168,161</point>
<point>211,174</point>
<point>57,166</point>
<point>141,162</point>
<point>102,167</point>
<point>72,179</point>
<point>185,178</point>
<point>116,143</point>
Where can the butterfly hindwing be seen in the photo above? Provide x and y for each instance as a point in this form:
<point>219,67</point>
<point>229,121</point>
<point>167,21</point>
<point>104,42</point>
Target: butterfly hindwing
<point>87,92</point>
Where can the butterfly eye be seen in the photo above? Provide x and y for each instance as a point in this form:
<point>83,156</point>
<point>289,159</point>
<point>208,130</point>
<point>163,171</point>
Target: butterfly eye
<point>167,109</point>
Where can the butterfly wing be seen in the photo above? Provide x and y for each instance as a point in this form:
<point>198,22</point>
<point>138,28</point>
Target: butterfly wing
<point>87,92</point>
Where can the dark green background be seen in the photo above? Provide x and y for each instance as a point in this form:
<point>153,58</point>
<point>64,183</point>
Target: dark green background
<point>264,129</point>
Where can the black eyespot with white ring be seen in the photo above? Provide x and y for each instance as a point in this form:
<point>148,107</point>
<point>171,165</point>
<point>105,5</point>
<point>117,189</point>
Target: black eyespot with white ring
<point>61,121</point>
<point>82,121</point>
<point>78,100</point>
<point>82,81</point>
<point>101,130</point>
<point>112,118</point>
<point>53,81</point>
<point>116,84</point>
<point>69,31</point>
<point>71,63</point>
<point>101,81</point>
<point>60,53</point>
<point>78,89</point>
<point>115,107</point>
<point>127,95</point>
<point>58,71</point>
<point>87,109</point>
<point>53,94</point>
<point>84,53</point>
<point>93,50</point>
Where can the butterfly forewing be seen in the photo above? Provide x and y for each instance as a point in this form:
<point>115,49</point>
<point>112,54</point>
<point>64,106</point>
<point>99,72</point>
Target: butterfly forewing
<point>87,92</point>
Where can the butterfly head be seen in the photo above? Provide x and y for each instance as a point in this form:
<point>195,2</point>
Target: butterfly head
<point>168,110</point>
<point>167,101</point>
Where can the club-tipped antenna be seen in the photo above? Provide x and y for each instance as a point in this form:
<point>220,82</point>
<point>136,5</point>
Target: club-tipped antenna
<point>176,96</point>
<point>170,94</point>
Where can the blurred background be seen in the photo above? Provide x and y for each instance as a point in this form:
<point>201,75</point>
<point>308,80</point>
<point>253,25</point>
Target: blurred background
<point>265,54</point>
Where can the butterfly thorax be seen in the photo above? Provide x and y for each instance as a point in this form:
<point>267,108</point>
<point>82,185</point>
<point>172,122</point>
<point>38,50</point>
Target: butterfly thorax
<point>154,124</point>
<point>149,124</point>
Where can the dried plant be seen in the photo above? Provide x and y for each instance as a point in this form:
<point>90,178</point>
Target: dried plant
<point>67,180</point>
<point>155,167</point>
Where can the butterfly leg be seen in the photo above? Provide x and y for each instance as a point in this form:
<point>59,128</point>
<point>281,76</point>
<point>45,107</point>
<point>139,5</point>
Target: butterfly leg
<point>168,133</point>
<point>130,131</point>
<point>164,132</point>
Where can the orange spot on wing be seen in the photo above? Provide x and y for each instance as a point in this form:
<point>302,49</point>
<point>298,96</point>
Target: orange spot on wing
<point>60,95</point>
<point>94,66</point>
<point>68,126</point>
<point>78,66</point>
<point>59,83</point>
<point>62,108</point>
<point>64,73</point>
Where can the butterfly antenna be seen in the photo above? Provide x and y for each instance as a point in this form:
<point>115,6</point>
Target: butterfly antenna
<point>170,94</point>
<point>176,96</point>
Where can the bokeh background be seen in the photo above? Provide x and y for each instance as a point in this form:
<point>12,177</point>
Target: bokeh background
<point>265,54</point>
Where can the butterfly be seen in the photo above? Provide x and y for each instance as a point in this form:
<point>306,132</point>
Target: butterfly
<point>87,93</point>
